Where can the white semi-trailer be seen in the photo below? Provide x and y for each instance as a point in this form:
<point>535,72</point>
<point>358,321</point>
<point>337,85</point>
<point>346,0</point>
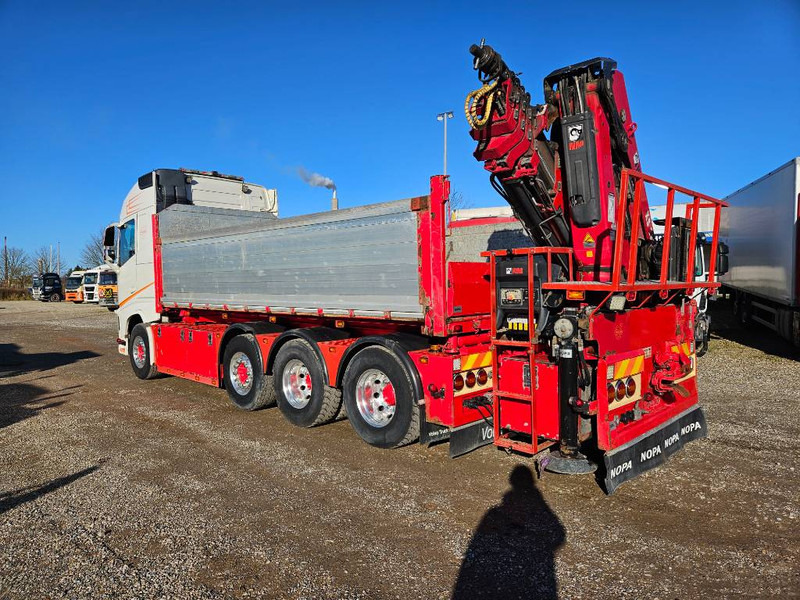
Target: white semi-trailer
<point>761,230</point>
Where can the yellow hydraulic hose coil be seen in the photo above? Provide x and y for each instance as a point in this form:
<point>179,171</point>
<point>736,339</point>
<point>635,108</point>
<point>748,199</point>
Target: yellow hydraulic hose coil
<point>471,105</point>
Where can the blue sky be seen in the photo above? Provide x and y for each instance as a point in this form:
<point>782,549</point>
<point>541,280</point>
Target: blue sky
<point>92,95</point>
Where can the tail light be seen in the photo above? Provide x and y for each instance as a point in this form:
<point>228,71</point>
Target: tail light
<point>483,377</point>
<point>630,387</point>
<point>471,379</point>
<point>458,382</point>
<point>611,391</point>
<point>620,392</point>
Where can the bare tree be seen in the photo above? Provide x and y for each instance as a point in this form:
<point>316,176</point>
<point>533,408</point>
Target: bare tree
<point>457,201</point>
<point>92,253</point>
<point>44,260</point>
<point>15,266</point>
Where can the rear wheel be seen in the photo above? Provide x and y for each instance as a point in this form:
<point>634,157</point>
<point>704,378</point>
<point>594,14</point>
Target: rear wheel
<point>299,382</point>
<point>243,374</point>
<point>139,352</point>
<point>380,400</point>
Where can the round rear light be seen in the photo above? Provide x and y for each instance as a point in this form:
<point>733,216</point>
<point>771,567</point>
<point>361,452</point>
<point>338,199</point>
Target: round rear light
<point>611,391</point>
<point>630,387</point>
<point>620,390</point>
<point>471,379</point>
<point>483,377</point>
<point>458,382</point>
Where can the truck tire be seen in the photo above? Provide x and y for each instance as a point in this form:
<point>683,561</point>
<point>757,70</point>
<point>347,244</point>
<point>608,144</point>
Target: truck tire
<point>299,382</point>
<point>139,352</point>
<point>247,385</point>
<point>54,297</point>
<point>379,396</point>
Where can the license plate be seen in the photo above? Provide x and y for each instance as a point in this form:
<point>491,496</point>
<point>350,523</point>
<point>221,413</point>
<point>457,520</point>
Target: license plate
<point>654,448</point>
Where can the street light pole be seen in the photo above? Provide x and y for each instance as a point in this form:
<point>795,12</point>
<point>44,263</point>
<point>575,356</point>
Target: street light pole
<point>443,117</point>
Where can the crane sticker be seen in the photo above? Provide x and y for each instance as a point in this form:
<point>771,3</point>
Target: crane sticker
<point>574,135</point>
<point>588,245</point>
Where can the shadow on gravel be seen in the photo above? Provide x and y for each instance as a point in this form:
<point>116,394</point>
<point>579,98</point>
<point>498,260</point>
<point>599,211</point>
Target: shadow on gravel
<point>13,362</point>
<point>724,325</point>
<point>9,500</point>
<point>20,401</point>
<point>512,552</point>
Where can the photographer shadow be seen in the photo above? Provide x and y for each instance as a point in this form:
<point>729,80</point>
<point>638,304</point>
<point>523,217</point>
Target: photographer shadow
<point>512,552</point>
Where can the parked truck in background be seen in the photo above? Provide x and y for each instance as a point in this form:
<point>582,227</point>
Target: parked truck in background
<point>91,279</point>
<point>761,228</point>
<point>73,290</point>
<point>47,287</point>
<point>107,289</point>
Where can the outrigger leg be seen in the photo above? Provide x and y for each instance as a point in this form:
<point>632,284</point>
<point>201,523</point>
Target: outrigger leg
<point>567,459</point>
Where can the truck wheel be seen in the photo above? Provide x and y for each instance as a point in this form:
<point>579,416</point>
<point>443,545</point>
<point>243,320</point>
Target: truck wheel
<point>380,400</point>
<point>243,374</point>
<point>139,353</point>
<point>55,297</point>
<point>299,381</point>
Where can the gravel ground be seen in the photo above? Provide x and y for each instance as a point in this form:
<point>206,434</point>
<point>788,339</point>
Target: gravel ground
<point>115,487</point>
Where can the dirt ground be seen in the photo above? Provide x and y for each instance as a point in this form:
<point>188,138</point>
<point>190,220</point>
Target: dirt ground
<point>115,487</point>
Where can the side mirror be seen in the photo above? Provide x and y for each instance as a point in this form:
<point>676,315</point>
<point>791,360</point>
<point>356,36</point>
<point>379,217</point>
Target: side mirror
<point>109,238</point>
<point>722,264</point>
<point>722,258</point>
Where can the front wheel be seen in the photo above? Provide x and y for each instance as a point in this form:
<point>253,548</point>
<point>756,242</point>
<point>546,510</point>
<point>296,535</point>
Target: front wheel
<point>55,297</point>
<point>380,400</point>
<point>139,352</point>
<point>247,385</point>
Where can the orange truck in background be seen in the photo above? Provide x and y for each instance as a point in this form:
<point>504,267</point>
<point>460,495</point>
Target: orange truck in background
<point>73,291</point>
<point>107,289</point>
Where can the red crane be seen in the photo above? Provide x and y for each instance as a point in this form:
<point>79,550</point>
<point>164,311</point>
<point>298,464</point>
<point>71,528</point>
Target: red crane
<point>593,325</point>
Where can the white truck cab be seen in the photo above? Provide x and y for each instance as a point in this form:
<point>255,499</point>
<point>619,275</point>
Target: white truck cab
<point>90,278</point>
<point>130,242</point>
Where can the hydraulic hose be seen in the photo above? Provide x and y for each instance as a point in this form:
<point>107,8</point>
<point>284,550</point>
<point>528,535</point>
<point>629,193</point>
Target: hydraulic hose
<point>472,101</point>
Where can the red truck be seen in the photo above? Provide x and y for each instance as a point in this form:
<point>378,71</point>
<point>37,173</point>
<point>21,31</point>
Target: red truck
<point>565,334</point>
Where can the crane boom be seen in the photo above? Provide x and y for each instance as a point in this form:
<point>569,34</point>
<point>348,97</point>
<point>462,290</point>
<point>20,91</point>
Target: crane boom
<point>559,163</point>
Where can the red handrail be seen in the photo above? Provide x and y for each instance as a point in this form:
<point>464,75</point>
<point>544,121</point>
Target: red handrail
<point>630,283</point>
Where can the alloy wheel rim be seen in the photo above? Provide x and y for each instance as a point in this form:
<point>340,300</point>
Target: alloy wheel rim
<point>375,398</point>
<point>139,352</point>
<point>240,373</point>
<point>297,384</point>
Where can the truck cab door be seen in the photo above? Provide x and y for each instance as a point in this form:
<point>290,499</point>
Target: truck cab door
<point>126,259</point>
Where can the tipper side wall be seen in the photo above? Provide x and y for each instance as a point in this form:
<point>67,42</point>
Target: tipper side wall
<point>361,259</point>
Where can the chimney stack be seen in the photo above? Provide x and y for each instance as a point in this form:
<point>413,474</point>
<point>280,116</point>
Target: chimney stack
<point>334,201</point>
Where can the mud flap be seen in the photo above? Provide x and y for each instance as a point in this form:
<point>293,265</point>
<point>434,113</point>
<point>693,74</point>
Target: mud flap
<point>470,437</point>
<point>652,449</point>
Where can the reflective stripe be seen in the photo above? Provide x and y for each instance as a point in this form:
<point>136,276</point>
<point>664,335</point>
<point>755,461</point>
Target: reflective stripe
<point>628,367</point>
<point>121,304</point>
<point>476,361</point>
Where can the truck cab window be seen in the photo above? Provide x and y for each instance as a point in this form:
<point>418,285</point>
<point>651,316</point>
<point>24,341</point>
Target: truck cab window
<point>127,241</point>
